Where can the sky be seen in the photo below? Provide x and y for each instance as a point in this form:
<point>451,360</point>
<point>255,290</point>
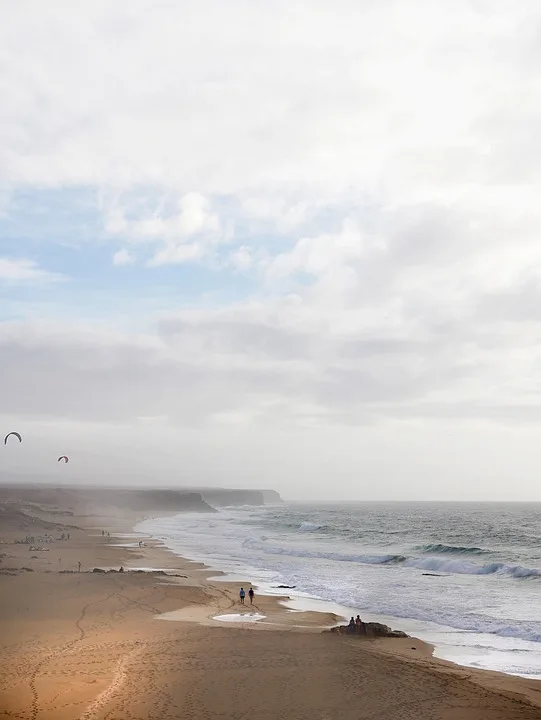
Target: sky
<point>273,244</point>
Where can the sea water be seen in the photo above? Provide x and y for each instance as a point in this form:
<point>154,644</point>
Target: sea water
<point>465,577</point>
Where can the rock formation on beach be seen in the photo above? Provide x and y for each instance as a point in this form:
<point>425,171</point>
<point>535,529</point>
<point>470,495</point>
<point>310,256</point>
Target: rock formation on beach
<point>371,630</point>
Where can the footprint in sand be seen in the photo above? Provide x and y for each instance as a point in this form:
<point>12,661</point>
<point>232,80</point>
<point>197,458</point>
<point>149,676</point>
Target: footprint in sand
<point>116,683</point>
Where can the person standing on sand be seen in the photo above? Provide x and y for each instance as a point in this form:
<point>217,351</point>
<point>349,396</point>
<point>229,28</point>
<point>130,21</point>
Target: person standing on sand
<point>79,566</point>
<point>242,595</point>
<point>251,594</point>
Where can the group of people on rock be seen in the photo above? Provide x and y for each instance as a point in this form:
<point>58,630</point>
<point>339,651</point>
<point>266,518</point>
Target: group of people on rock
<point>356,625</point>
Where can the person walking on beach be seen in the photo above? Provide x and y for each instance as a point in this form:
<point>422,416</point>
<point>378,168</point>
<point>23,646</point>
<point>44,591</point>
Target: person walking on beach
<point>242,596</point>
<point>79,566</point>
<point>251,594</point>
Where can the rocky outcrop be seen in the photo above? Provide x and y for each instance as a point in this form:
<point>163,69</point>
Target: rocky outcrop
<point>147,500</point>
<point>271,497</point>
<point>222,498</point>
<point>370,630</point>
<point>175,500</point>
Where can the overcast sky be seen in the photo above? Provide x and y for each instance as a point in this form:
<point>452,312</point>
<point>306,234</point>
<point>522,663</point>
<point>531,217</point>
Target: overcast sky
<point>273,243</point>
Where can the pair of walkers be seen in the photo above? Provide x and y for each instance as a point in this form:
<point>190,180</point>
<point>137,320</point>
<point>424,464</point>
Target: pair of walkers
<point>242,595</point>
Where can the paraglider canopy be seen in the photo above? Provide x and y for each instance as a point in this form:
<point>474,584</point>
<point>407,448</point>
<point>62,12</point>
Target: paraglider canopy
<point>12,433</point>
<point>64,458</point>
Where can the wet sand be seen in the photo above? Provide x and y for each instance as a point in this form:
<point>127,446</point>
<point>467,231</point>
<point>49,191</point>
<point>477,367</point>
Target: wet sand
<point>91,645</point>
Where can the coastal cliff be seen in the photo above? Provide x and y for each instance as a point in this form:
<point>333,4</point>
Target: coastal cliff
<point>161,499</point>
<point>222,497</point>
<point>185,499</point>
<point>135,499</point>
<point>271,497</point>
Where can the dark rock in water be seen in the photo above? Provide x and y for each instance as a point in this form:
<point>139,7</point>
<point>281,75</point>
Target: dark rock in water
<point>287,587</point>
<point>371,630</point>
<point>433,575</point>
<point>98,570</point>
<point>28,569</point>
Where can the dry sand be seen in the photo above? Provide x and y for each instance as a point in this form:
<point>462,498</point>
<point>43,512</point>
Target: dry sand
<point>89,645</point>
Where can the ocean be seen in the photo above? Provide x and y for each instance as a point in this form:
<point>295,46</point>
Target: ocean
<point>463,576</point>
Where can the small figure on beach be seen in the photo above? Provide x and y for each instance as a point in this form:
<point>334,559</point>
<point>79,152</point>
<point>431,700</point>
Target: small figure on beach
<point>121,569</point>
<point>242,595</point>
<point>79,566</point>
<point>358,623</point>
<point>251,594</point>
<point>351,626</point>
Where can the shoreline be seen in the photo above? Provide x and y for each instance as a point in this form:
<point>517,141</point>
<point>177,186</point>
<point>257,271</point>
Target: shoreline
<point>94,645</point>
<point>439,636</point>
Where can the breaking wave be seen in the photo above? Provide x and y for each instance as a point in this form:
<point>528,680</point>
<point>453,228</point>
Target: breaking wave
<point>441,549</point>
<point>309,527</point>
<point>432,564</point>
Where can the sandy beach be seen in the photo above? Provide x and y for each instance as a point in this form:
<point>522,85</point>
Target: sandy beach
<point>92,645</point>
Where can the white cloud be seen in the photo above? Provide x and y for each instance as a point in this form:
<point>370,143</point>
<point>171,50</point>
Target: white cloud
<point>123,257</point>
<point>175,254</point>
<point>186,231</point>
<point>374,168</point>
<point>330,97</point>
<point>241,259</point>
<point>234,391</point>
<point>17,270</point>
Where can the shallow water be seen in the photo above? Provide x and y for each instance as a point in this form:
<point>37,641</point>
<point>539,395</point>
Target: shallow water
<point>239,617</point>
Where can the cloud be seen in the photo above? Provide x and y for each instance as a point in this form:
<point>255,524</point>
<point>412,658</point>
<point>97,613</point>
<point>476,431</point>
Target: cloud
<point>359,180</point>
<point>241,258</point>
<point>278,361</point>
<point>185,228</point>
<point>23,270</point>
<point>397,99</point>
<point>123,257</point>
